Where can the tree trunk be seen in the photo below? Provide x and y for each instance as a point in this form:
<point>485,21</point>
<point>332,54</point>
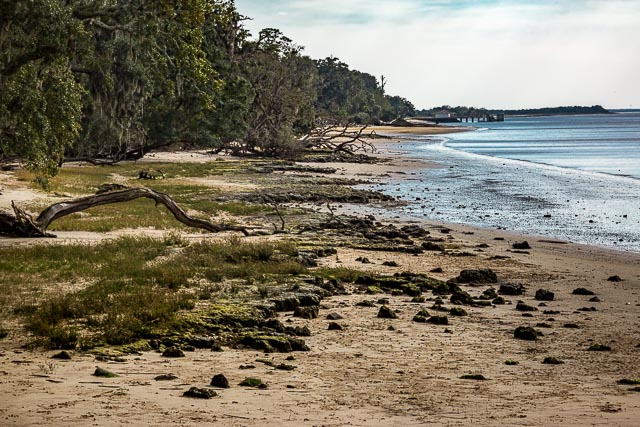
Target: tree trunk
<point>21,224</point>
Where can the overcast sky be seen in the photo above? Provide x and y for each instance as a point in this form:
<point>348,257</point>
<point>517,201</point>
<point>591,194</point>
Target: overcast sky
<point>495,54</point>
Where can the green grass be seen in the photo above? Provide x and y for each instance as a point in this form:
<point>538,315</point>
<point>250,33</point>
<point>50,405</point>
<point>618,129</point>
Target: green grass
<point>119,291</point>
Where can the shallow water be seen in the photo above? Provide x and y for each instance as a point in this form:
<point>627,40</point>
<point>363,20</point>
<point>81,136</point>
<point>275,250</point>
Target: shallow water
<point>579,197</point>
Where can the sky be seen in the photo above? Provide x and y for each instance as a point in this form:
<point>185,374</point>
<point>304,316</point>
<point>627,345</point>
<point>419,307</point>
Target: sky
<point>493,54</point>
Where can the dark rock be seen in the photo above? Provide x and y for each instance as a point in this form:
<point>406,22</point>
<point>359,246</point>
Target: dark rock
<point>421,316</point>
<point>251,382</point>
<point>245,367</point>
<point>365,303</point>
<point>436,270</point>
<point>521,245</point>
<point>551,312</point>
<point>286,304</point>
<point>594,299</point>
<point>310,312</point>
<point>571,326</point>
<point>103,373</point>
<point>582,291</point>
<point>201,341</point>
<point>284,367</point>
<point>363,260</point>
<point>166,377</point>
<point>489,294</point>
<point>511,289</point>
<point>199,393</point>
<point>334,316</point>
<point>614,279</point>
<point>274,324</point>
<point>417,299</point>
<point>599,347</point>
<point>499,301</point>
<point>461,297</point>
<point>438,320</point>
<point>271,343</point>
<point>63,355</point>
<point>430,246</point>
<point>483,275</point>
<point>552,361</point>
<point>217,348</point>
<point>627,381</point>
<point>220,380</point>
<point>457,311</point>
<point>390,264</point>
<point>588,309</point>
<point>386,313</point>
<point>521,306</point>
<point>544,295</point>
<point>476,377</point>
<point>173,352</point>
<point>526,333</point>
<point>333,326</point>
<point>543,325</point>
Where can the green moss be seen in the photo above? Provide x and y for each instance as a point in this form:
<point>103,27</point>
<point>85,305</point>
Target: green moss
<point>599,347</point>
<point>421,316</point>
<point>510,362</point>
<point>372,290</point>
<point>251,382</point>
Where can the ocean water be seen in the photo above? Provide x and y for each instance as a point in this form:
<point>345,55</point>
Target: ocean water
<point>574,178</point>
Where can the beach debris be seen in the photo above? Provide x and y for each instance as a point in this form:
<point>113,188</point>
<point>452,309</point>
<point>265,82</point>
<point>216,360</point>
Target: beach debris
<point>521,245</point>
<point>386,313</point>
<point>335,326</point>
<point>544,295</point>
<point>599,347</point>
<point>63,355</point>
<point>219,380</point>
<point>421,316</point>
<point>458,311</point>
<point>438,320</point>
<point>552,361</point>
<point>582,291</point>
<point>200,393</point>
<point>476,377</point>
<point>482,275</point>
<point>521,306</point>
<point>614,279</point>
<point>165,377</point>
<point>103,373</point>
<point>173,352</point>
<point>309,312</point>
<point>253,382</point>
<point>512,289</point>
<point>526,333</point>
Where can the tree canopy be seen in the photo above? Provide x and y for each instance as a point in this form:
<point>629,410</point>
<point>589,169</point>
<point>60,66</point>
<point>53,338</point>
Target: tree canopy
<point>110,79</point>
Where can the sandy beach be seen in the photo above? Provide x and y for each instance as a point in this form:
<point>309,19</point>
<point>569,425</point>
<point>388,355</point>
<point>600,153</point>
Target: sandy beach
<point>376,371</point>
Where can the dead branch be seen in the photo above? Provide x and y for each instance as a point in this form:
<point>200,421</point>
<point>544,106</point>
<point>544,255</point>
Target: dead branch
<point>336,137</point>
<point>21,224</point>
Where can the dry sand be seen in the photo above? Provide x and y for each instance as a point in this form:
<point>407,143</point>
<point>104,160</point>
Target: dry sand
<point>369,375</point>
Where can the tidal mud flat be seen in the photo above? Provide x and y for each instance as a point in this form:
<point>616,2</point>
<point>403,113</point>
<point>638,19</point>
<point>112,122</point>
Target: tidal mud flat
<point>350,320</point>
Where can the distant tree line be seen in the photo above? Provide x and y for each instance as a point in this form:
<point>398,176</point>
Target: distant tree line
<point>110,79</point>
<point>472,111</point>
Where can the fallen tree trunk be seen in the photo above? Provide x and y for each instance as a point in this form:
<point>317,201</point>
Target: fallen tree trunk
<point>21,224</point>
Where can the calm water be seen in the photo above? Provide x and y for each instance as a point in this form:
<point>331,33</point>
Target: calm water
<point>573,178</point>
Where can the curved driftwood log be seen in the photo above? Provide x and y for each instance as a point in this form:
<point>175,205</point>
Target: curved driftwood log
<point>23,225</point>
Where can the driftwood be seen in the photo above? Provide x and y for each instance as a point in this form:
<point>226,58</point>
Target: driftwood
<point>338,138</point>
<point>21,224</point>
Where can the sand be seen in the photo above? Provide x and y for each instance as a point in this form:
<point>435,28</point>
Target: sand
<point>368,375</point>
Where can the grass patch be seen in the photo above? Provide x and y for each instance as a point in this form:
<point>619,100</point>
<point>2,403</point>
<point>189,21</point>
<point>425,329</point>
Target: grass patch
<point>130,288</point>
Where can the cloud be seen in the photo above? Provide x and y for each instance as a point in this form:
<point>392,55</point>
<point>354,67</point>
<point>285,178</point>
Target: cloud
<point>506,53</point>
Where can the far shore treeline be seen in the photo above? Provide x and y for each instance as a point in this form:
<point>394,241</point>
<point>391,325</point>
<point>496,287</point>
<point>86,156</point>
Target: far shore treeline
<point>112,79</point>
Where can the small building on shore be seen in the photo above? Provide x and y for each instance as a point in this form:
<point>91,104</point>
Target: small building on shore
<point>444,114</point>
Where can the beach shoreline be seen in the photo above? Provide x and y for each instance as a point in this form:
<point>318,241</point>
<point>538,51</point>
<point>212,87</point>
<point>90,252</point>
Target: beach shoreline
<point>379,372</point>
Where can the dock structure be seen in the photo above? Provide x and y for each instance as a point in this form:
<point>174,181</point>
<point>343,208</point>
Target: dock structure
<point>451,118</point>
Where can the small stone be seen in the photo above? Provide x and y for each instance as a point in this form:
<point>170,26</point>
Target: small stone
<point>571,326</point>
<point>173,352</point>
<point>521,306</point>
<point>365,303</point>
<point>217,348</point>
<point>458,311</point>
<point>390,264</point>
<point>521,245</point>
<point>63,355</point>
<point>220,381</point>
<point>199,393</point>
<point>544,295</point>
<point>386,313</point>
<point>166,377</point>
<point>284,367</point>
<point>526,333</point>
<point>513,289</point>
<point>599,347</point>
<point>383,301</point>
<point>334,316</point>
<point>334,326</point>
<point>418,300</point>
<point>310,312</point>
<point>421,316</point>
<point>251,382</point>
<point>103,373</point>
<point>436,270</point>
<point>614,279</point>
<point>582,291</point>
<point>438,320</point>
<point>552,361</point>
<point>476,377</point>
<point>498,301</point>
<point>594,299</point>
